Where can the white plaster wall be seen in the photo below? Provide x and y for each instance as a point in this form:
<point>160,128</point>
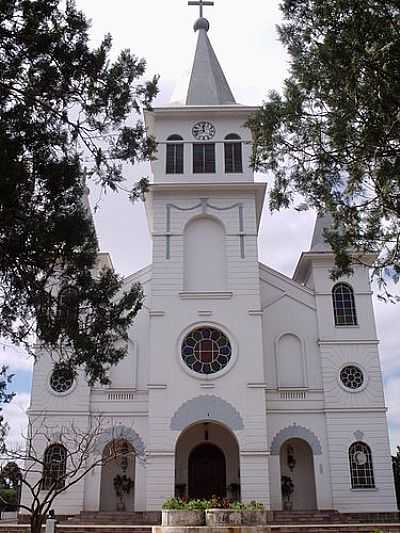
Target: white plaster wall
<point>289,309</point>
<point>365,329</point>
<point>342,427</point>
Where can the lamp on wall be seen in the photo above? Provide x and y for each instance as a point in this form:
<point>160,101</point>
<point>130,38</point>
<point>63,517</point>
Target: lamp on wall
<point>291,460</point>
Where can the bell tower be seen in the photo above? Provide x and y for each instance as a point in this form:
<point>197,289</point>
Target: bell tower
<point>206,347</point>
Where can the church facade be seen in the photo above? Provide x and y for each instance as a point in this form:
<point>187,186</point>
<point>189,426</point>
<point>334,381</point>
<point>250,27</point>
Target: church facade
<point>238,378</point>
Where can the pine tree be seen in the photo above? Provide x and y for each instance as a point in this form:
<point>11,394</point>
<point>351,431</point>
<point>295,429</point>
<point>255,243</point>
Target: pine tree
<point>63,104</point>
<point>333,135</point>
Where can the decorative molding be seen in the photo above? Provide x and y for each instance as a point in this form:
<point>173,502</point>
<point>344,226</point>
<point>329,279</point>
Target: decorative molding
<point>206,408</point>
<point>255,312</point>
<point>205,206</point>
<point>256,385</point>
<point>121,432</point>
<point>206,295</point>
<point>358,435</point>
<point>156,386</point>
<point>291,297</point>
<point>157,313</point>
<point>205,313</point>
<point>207,385</point>
<point>327,342</point>
<point>160,453</point>
<point>251,453</point>
<point>322,410</point>
<point>295,431</point>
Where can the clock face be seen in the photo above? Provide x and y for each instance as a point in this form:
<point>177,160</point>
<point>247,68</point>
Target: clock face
<point>203,130</point>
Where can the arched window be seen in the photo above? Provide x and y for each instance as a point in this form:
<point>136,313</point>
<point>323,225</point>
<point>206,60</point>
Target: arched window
<point>54,467</point>
<point>174,155</point>
<point>68,309</point>
<point>361,470</point>
<point>343,305</point>
<point>233,154</point>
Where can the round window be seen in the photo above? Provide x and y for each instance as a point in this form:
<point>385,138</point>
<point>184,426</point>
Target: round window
<point>61,379</point>
<point>206,350</point>
<point>352,377</point>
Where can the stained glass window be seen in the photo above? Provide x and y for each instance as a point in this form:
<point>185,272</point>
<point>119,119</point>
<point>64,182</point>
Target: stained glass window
<point>61,379</point>
<point>206,350</point>
<point>54,467</point>
<point>352,377</point>
<point>361,470</point>
<point>343,305</point>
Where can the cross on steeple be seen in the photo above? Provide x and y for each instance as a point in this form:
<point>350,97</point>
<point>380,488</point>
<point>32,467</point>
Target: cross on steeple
<point>201,4</point>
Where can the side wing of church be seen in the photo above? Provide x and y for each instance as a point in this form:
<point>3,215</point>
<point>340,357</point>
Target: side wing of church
<point>237,377</point>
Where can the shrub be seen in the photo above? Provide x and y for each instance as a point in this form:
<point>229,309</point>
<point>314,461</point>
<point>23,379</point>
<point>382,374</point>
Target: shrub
<point>182,504</point>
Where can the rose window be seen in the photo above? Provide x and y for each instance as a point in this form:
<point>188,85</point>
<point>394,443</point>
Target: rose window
<point>61,379</point>
<point>206,350</point>
<point>351,377</point>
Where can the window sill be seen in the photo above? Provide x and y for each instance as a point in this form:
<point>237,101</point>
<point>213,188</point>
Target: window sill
<point>365,490</point>
<point>348,327</point>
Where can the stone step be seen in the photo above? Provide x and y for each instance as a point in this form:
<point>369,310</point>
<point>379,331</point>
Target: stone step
<point>336,528</point>
<point>147,518</point>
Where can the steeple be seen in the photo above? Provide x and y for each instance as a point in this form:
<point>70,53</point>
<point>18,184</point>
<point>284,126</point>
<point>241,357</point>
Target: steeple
<point>208,85</point>
<point>319,243</point>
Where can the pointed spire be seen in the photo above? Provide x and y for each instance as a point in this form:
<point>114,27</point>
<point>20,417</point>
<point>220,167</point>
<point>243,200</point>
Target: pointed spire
<point>208,85</point>
<point>319,243</point>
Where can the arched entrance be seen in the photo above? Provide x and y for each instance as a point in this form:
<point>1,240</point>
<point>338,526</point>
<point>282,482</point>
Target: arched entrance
<point>207,472</point>
<point>297,470</point>
<point>117,489</point>
<point>207,462</point>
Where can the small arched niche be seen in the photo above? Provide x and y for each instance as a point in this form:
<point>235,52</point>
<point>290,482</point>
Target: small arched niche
<point>204,255</point>
<point>117,488</point>
<point>290,361</point>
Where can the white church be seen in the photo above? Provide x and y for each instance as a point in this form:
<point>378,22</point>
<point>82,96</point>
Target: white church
<point>236,375</point>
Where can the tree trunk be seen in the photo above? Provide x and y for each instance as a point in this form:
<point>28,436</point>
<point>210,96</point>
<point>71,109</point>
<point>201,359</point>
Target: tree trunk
<point>36,523</point>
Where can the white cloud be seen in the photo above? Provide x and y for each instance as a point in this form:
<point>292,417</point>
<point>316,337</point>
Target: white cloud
<point>15,414</point>
<point>15,358</point>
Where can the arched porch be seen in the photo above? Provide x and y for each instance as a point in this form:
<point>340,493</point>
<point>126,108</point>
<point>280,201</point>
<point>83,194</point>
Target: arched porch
<point>207,462</point>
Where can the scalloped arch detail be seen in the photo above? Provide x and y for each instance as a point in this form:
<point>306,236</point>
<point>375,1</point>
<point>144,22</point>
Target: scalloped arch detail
<point>206,407</point>
<point>292,432</point>
<point>121,432</point>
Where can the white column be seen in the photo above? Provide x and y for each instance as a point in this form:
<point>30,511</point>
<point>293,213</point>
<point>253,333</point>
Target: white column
<point>140,486</point>
<point>254,479</point>
<point>275,482</point>
<point>160,483</point>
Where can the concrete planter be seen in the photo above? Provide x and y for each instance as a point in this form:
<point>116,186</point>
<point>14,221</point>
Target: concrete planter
<point>182,518</point>
<point>255,518</point>
<point>223,517</point>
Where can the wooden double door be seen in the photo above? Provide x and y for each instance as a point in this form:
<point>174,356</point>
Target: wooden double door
<point>207,472</point>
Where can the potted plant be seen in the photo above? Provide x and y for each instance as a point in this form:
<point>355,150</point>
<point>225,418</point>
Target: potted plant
<point>181,512</point>
<point>287,487</point>
<point>220,513</point>
<point>253,514</point>
<point>122,486</point>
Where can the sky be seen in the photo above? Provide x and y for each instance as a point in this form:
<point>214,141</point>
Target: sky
<point>246,42</point>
